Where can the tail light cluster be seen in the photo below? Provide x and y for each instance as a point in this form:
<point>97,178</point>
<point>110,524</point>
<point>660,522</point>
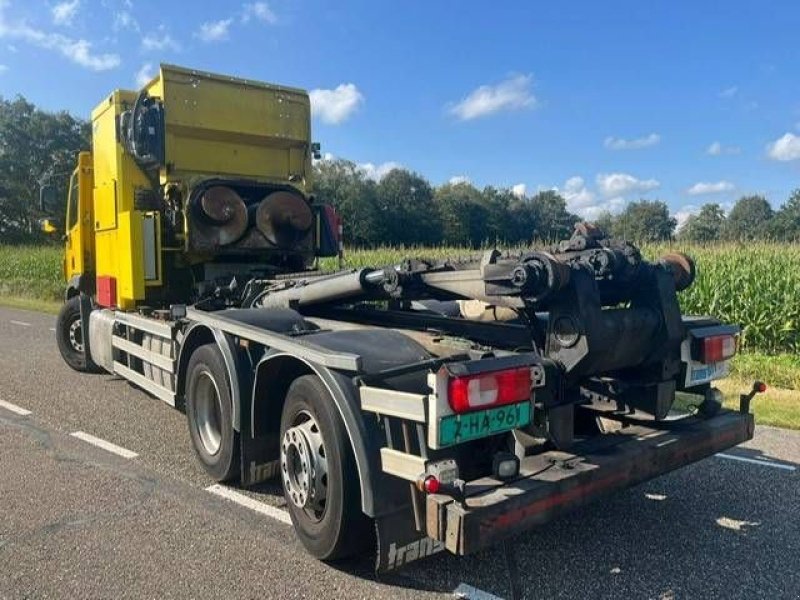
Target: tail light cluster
<point>486,390</point>
<point>716,348</point>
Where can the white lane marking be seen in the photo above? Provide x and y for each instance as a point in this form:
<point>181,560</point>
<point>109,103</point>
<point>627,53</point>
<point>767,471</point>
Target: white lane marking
<point>52,329</point>
<point>754,461</point>
<point>15,409</point>
<point>105,445</point>
<point>472,593</point>
<point>248,502</point>
<point>21,323</point>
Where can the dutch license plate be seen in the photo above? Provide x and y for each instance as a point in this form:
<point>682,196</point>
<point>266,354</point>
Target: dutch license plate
<point>454,429</point>
<point>698,373</point>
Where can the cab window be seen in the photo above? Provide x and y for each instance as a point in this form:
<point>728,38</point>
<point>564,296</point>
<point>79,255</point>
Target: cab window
<point>72,206</point>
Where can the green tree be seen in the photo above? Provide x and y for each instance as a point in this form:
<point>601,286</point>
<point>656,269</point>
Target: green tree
<point>705,226</point>
<point>645,221</point>
<point>463,213</point>
<point>345,186</point>
<point>552,220</point>
<point>406,209</point>
<point>749,219</point>
<point>605,221</point>
<point>785,224</point>
<point>36,147</point>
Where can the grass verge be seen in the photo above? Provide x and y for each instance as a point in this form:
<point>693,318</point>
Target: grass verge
<point>45,306</point>
<point>777,406</point>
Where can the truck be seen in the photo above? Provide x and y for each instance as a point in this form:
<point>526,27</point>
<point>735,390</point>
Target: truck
<point>411,408</point>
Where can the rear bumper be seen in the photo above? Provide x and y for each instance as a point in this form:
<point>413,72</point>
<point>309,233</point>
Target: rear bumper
<point>556,482</point>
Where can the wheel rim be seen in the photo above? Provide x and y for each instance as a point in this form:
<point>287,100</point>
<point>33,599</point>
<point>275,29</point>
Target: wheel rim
<point>208,412</point>
<point>75,334</point>
<point>304,466</point>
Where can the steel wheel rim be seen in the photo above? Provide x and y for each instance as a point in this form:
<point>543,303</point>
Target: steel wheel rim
<point>208,412</point>
<point>304,466</point>
<point>75,335</point>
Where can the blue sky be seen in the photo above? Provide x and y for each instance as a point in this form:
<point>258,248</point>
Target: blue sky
<point>686,102</point>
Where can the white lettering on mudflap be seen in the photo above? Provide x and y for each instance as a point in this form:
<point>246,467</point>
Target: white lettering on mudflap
<point>413,551</point>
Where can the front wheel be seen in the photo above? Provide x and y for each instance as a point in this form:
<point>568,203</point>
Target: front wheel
<point>318,470</point>
<point>69,337</point>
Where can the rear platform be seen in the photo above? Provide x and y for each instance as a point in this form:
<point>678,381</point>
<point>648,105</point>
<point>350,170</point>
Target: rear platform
<point>555,482</point>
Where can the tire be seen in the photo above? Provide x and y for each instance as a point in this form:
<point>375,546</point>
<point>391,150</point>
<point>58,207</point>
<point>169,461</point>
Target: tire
<point>209,413</point>
<point>69,337</point>
<point>338,529</point>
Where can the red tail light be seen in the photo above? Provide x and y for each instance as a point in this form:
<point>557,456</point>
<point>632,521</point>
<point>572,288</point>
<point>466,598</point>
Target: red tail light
<point>716,348</point>
<point>485,390</point>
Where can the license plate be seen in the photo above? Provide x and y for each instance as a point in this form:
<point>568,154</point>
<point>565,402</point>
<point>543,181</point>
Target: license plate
<point>698,373</point>
<point>455,429</point>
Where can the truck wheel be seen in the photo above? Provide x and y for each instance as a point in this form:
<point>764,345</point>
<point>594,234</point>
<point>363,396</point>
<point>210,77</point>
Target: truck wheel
<point>320,480</point>
<point>209,412</point>
<point>69,337</point>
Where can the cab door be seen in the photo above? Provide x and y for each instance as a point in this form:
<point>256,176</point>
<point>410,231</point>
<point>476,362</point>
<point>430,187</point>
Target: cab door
<point>79,226</point>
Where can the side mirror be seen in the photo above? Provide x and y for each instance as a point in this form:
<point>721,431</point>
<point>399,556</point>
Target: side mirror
<point>48,226</point>
<point>48,198</point>
<point>316,150</point>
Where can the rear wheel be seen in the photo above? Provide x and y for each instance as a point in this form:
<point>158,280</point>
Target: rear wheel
<point>69,337</point>
<point>209,413</point>
<point>318,470</point>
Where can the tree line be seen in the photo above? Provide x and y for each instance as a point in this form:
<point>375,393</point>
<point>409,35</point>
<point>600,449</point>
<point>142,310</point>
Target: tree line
<point>402,208</point>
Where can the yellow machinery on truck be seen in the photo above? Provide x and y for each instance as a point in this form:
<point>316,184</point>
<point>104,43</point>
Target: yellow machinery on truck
<point>192,233</point>
<point>193,171</point>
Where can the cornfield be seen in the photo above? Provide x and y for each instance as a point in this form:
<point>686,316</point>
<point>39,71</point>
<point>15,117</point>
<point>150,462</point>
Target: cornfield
<point>756,285</point>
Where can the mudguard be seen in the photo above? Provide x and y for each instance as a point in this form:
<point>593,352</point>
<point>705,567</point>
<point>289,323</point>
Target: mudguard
<point>379,349</point>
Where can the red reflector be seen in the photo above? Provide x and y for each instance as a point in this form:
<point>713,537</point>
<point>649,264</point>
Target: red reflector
<point>106,291</point>
<point>761,387</point>
<point>718,347</point>
<point>484,390</point>
<point>431,485</point>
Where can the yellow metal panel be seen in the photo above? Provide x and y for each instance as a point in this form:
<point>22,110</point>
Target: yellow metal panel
<point>105,205</point>
<point>224,126</point>
<point>130,275</point>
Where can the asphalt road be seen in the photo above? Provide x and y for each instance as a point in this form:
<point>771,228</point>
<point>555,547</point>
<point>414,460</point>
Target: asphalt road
<point>80,521</point>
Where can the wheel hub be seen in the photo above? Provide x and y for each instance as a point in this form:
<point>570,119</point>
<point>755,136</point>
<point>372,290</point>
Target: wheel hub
<point>208,413</point>
<point>76,335</point>
<point>304,466</point>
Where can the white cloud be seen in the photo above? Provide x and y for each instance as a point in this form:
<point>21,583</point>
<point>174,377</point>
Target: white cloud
<point>682,215</point>
<point>64,12</point>
<point>729,92</point>
<point>584,202</point>
<point>702,188</point>
<point>145,73</point>
<point>259,11</point>
<point>378,172</point>
<point>123,19</point>
<point>3,69</point>
<point>337,105</point>
<point>78,51</point>
<point>785,148</point>
<point>717,149</point>
<point>619,184</point>
<point>512,94</point>
<point>160,40</point>
<point>519,190</point>
<point>456,179</point>
<point>214,31</point>
<point>576,194</point>
<point>614,143</point>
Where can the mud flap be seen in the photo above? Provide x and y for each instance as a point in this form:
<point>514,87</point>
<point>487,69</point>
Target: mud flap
<point>399,543</point>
